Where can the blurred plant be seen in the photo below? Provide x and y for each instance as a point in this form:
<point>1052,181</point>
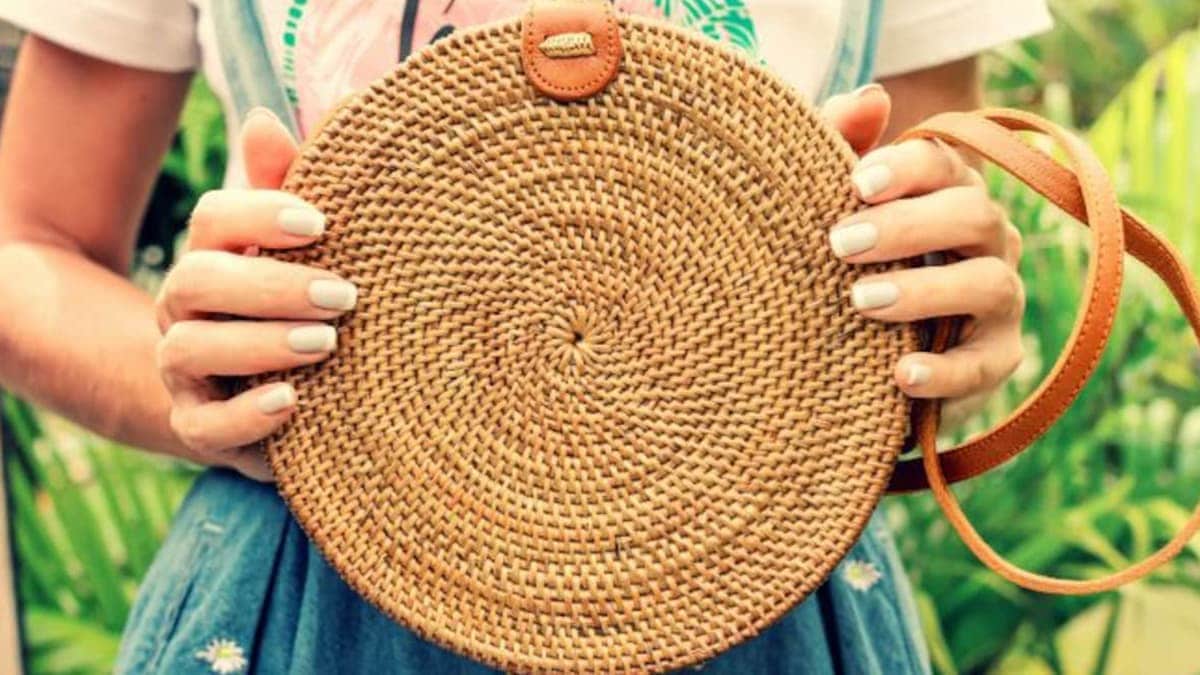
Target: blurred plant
<point>88,517</point>
<point>1104,487</point>
<point>1092,51</point>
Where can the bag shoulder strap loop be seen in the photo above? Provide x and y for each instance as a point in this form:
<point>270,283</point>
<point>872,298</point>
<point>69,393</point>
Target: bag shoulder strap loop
<point>1083,191</point>
<point>1059,185</point>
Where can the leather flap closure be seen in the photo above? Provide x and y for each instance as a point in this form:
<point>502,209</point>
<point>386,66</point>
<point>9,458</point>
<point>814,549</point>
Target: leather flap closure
<point>570,49</point>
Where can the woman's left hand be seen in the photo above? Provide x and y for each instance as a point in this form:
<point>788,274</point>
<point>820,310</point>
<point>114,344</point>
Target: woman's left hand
<point>924,198</point>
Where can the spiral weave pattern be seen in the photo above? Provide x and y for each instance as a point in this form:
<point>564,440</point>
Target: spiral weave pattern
<point>604,404</point>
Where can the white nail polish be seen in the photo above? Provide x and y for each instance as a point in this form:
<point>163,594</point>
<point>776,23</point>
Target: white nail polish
<point>918,373</point>
<point>866,89</point>
<point>301,221</point>
<point>277,399</point>
<point>312,339</point>
<point>848,240</point>
<point>333,294</point>
<point>874,294</point>
<point>871,180</point>
<point>258,112</point>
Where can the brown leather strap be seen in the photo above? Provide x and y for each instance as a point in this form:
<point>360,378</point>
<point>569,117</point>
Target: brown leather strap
<point>570,49</point>
<point>988,133</point>
<point>1060,186</point>
<point>1083,191</point>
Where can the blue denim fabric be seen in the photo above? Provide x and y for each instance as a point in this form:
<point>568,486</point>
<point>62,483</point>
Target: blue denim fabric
<point>858,37</point>
<point>246,61</point>
<point>237,567</point>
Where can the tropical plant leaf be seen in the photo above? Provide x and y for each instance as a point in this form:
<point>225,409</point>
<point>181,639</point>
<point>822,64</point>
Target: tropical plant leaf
<point>63,644</point>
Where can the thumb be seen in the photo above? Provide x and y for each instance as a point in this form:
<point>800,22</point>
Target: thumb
<point>267,149</point>
<point>861,116</point>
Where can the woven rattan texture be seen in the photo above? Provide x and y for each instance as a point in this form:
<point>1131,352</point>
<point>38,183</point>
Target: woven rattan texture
<point>603,404</point>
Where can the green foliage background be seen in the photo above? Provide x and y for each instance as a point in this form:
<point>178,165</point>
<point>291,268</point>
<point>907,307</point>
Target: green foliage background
<point>1110,481</point>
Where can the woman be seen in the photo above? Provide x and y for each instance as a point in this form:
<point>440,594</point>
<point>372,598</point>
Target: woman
<point>237,587</point>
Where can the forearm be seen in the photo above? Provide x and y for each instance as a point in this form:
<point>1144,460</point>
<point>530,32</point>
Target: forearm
<point>75,335</point>
<point>921,94</point>
<point>80,340</point>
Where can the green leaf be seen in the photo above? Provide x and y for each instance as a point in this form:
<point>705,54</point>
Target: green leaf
<point>63,644</point>
<point>939,651</point>
<point>1155,632</point>
<point>82,524</point>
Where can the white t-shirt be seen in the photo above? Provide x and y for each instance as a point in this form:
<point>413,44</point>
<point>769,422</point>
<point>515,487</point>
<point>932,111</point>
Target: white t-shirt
<point>322,50</point>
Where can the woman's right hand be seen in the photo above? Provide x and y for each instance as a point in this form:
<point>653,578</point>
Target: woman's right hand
<point>224,311</point>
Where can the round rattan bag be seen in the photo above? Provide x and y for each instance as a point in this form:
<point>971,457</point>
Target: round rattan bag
<point>604,403</point>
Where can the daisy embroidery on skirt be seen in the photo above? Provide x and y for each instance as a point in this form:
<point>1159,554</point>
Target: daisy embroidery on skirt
<point>860,574</point>
<point>223,656</point>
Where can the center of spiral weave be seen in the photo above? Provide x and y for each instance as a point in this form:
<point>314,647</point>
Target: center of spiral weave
<point>574,332</point>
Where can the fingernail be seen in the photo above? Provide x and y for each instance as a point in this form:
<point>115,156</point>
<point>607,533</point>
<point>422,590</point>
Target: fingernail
<point>871,180</point>
<point>312,339</point>
<point>866,89</point>
<point>847,240</point>
<point>277,399</point>
<point>260,111</point>
<point>333,294</point>
<point>918,373</point>
<point>874,294</point>
<point>301,221</point>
